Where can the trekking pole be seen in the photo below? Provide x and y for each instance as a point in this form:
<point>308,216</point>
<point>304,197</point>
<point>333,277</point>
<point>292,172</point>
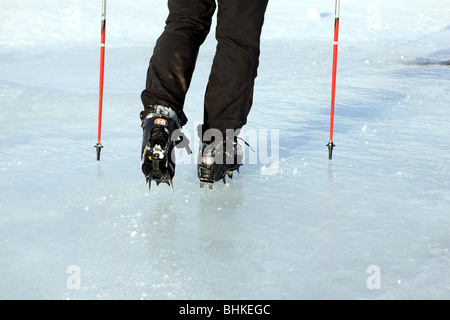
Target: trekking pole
<point>99,146</point>
<point>333,81</point>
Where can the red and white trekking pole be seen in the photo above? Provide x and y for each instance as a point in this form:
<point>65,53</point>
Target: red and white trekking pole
<point>333,82</point>
<point>99,146</point>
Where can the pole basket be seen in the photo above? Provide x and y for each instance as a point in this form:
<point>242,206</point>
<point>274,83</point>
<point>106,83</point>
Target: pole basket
<point>330,146</point>
<point>99,147</point>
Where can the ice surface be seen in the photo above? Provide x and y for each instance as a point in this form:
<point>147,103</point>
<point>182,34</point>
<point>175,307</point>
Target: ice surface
<point>299,227</point>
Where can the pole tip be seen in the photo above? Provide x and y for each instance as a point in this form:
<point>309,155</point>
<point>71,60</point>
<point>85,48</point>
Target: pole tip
<point>99,147</point>
<point>330,146</point>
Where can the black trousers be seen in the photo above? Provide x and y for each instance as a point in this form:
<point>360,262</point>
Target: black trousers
<point>229,93</point>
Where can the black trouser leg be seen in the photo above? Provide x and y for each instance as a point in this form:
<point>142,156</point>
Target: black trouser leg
<point>172,64</point>
<point>229,94</point>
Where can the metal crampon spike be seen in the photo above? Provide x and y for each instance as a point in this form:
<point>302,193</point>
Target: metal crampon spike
<point>203,183</point>
<point>170,183</point>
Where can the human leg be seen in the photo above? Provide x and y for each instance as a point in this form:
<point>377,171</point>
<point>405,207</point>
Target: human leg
<point>229,94</point>
<point>168,79</point>
<point>175,54</point>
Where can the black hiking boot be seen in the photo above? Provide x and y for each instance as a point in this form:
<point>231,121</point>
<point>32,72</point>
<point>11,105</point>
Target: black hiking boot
<point>217,160</point>
<point>158,163</point>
